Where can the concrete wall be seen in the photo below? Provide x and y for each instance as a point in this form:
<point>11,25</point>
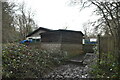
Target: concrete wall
<point>55,47</point>
<point>36,45</point>
<point>72,49</point>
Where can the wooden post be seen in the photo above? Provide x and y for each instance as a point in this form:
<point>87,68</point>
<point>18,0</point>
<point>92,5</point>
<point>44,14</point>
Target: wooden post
<point>118,51</point>
<point>61,42</point>
<point>99,52</point>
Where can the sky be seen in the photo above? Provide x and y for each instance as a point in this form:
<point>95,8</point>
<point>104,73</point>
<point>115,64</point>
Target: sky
<point>57,14</point>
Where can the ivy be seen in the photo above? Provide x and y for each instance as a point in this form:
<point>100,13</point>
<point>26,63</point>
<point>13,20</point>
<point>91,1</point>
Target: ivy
<point>21,61</point>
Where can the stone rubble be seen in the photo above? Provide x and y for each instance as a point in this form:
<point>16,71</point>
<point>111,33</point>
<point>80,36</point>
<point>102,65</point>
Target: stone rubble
<point>72,70</point>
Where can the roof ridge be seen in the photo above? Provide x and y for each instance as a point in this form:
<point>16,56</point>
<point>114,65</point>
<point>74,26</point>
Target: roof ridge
<point>38,30</point>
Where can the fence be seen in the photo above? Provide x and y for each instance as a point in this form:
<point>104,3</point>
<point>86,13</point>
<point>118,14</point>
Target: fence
<point>106,46</point>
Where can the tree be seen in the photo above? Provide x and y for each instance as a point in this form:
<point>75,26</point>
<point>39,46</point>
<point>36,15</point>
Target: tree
<point>87,30</point>
<point>17,21</point>
<point>110,18</point>
<point>24,21</point>
<point>8,29</point>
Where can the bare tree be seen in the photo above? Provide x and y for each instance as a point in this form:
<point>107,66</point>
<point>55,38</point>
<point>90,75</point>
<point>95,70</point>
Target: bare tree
<point>110,17</point>
<point>24,21</point>
<point>88,29</point>
<point>17,21</point>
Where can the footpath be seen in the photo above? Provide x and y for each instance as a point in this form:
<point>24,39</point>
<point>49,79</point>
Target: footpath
<point>77,67</point>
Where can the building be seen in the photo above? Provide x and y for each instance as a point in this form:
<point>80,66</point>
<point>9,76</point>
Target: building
<point>63,40</point>
<point>58,40</point>
<point>35,35</point>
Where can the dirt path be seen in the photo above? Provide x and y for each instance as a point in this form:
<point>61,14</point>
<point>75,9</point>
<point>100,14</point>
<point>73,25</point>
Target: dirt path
<point>71,70</point>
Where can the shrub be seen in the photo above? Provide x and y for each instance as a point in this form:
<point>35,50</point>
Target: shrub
<point>20,61</point>
<point>107,68</point>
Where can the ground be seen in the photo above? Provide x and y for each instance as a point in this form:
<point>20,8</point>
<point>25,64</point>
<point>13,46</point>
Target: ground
<point>74,68</point>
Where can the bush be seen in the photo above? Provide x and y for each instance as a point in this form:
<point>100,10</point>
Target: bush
<point>107,68</point>
<point>22,62</point>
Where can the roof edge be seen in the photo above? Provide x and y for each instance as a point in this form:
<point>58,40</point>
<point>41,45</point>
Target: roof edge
<point>38,30</point>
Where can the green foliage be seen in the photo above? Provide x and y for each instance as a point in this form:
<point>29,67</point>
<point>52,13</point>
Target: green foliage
<point>107,68</point>
<point>21,61</point>
<point>59,57</point>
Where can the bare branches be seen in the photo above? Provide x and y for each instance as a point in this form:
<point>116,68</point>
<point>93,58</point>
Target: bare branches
<point>109,10</point>
<point>24,20</point>
<point>16,20</point>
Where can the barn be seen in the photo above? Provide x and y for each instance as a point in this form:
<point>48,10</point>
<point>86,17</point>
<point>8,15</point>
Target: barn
<point>57,40</point>
<point>63,40</point>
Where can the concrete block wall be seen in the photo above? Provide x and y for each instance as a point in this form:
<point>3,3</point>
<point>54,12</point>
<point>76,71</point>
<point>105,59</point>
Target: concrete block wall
<point>55,47</point>
<point>72,49</point>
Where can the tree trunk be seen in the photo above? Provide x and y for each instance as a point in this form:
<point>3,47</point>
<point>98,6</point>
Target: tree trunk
<point>118,52</point>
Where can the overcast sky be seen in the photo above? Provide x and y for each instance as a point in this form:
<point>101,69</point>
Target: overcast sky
<point>57,14</point>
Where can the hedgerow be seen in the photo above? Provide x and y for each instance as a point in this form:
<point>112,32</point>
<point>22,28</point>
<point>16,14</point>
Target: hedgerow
<point>20,61</point>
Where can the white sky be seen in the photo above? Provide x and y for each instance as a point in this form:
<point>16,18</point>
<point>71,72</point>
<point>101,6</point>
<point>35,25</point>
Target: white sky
<point>56,14</point>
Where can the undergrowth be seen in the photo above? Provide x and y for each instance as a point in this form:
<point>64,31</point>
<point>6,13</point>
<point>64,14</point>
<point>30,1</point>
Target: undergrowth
<point>20,61</point>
